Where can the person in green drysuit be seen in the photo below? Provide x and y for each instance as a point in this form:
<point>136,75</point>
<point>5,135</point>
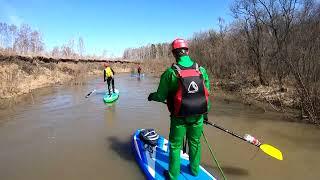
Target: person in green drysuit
<point>192,126</point>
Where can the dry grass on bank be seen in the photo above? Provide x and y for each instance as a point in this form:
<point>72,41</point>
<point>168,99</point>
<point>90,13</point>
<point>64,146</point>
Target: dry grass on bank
<point>19,77</point>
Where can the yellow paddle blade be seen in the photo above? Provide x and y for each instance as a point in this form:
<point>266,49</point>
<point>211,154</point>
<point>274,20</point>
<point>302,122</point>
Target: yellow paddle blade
<point>271,151</point>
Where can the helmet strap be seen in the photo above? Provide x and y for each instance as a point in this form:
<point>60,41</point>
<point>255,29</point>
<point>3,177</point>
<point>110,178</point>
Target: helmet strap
<point>177,53</point>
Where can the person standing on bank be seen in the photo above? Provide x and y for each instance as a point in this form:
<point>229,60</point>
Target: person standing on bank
<point>185,86</point>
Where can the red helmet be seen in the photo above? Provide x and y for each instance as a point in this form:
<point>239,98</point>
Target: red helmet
<point>179,43</point>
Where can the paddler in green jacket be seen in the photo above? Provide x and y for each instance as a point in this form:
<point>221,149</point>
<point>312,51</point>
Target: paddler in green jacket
<point>185,87</point>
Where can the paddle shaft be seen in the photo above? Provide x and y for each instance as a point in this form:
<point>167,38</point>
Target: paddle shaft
<point>229,132</point>
<point>90,93</point>
<point>94,90</point>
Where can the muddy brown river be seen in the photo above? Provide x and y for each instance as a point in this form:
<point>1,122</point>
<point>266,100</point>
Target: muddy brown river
<point>57,134</point>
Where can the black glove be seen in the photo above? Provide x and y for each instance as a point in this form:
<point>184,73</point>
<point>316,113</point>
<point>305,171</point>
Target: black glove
<point>205,119</point>
<point>150,97</point>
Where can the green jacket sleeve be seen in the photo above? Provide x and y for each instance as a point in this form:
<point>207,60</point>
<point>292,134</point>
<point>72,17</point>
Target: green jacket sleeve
<point>168,78</point>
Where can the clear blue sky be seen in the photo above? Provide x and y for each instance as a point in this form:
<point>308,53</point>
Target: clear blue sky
<point>115,25</point>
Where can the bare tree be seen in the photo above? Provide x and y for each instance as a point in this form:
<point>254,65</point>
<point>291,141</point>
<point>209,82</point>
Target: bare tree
<point>66,51</point>
<point>104,54</point>
<point>81,47</point>
<point>22,41</point>
<point>55,52</point>
<point>3,34</point>
<point>250,14</point>
<point>36,43</point>
<point>12,36</point>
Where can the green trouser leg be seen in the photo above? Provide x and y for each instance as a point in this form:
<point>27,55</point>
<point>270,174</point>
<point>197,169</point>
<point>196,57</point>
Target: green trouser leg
<point>178,129</point>
<point>177,132</point>
<point>194,133</point>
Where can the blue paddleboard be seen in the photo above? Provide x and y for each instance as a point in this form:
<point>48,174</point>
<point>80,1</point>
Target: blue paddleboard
<point>155,161</point>
<point>137,75</point>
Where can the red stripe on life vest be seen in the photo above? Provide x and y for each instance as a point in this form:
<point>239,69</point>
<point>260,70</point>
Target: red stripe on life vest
<point>188,73</point>
<point>178,100</point>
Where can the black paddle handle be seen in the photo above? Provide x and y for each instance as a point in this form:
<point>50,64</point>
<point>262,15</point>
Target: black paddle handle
<point>89,94</point>
<point>229,132</point>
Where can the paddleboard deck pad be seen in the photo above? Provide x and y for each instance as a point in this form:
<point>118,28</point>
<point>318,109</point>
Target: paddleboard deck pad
<point>111,98</point>
<point>154,160</point>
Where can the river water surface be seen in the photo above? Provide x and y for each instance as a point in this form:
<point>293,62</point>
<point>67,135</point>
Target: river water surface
<point>57,133</point>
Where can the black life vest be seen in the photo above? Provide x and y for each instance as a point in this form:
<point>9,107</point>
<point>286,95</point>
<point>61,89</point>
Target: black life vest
<point>191,97</point>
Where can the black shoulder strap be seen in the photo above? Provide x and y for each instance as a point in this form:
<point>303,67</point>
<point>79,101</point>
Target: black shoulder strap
<point>178,68</point>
